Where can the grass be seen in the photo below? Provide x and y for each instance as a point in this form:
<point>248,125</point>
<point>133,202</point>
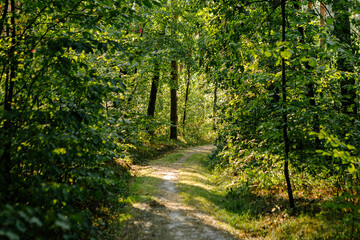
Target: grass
<point>249,212</point>
<point>145,182</point>
<point>259,215</point>
<point>143,188</point>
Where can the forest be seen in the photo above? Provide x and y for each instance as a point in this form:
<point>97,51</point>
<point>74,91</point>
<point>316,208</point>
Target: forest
<point>89,88</point>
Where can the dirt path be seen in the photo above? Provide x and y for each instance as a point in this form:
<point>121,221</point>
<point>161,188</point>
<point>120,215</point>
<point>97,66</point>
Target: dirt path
<point>166,217</point>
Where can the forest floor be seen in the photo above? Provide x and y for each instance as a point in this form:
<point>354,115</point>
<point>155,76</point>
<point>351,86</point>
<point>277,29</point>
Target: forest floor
<point>160,209</point>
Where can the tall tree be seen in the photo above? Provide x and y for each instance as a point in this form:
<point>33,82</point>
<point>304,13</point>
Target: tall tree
<point>173,86</point>
<point>154,90</point>
<point>187,91</point>
<point>342,31</point>
<point>8,124</point>
<point>284,110</point>
<point>173,91</point>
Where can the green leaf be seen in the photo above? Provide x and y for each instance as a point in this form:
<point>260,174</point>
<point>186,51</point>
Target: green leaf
<point>267,53</point>
<point>350,147</point>
<point>64,226</point>
<point>36,221</point>
<point>312,62</point>
<point>10,235</point>
<point>286,54</point>
<point>147,3</point>
<point>330,21</point>
<point>60,151</point>
<point>351,168</point>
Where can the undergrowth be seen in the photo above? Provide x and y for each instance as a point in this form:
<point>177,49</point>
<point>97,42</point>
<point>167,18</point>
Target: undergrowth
<point>252,211</point>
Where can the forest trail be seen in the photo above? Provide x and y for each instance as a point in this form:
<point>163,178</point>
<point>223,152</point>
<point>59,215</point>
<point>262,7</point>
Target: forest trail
<point>164,216</point>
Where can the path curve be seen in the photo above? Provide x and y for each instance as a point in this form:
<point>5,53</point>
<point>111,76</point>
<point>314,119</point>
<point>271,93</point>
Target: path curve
<point>166,217</point>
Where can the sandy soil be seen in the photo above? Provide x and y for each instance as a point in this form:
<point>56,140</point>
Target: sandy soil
<point>166,217</point>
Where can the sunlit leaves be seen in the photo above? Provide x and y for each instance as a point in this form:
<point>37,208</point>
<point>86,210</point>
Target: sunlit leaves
<point>286,54</point>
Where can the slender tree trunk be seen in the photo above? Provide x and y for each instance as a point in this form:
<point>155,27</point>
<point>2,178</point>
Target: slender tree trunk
<point>186,95</point>
<point>284,115</point>
<point>153,92</point>
<point>343,33</point>
<point>173,92</point>
<point>214,106</point>
<point>5,158</point>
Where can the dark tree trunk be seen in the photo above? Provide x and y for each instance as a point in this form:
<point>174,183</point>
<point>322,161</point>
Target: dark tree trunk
<point>343,33</point>
<point>153,92</point>
<point>173,89</point>
<point>5,158</point>
<point>186,94</point>
<point>284,115</point>
<point>214,106</point>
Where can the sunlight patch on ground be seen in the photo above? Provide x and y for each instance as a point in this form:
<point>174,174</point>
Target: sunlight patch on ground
<point>156,201</point>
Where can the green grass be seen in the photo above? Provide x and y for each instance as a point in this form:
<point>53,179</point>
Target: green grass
<point>168,159</point>
<point>248,214</point>
<point>144,185</point>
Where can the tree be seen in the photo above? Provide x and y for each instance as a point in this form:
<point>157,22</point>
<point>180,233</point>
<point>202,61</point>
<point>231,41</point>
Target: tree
<point>59,133</point>
<point>342,31</point>
<point>173,89</point>
<point>284,111</point>
<point>154,89</point>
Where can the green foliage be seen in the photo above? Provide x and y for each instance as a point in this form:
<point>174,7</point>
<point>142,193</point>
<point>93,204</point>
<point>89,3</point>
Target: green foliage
<point>61,171</point>
<point>74,89</point>
<point>321,86</point>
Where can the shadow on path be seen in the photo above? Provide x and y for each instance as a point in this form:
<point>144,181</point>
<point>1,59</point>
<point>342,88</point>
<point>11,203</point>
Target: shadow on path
<point>165,217</point>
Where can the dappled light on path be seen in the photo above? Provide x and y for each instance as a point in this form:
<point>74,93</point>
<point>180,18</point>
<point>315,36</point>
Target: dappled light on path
<point>165,216</point>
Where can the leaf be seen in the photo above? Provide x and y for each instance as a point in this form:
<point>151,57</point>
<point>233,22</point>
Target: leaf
<point>286,54</point>
<point>351,168</point>
<point>60,151</point>
<point>267,53</point>
<point>36,221</point>
<point>64,226</point>
<point>10,235</point>
<point>330,21</point>
<point>350,147</point>
<point>312,62</point>
<point>147,3</point>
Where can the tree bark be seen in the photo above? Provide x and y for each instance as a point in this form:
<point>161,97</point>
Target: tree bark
<point>186,95</point>
<point>153,91</point>
<point>214,106</point>
<point>173,92</point>
<point>5,158</point>
<point>284,115</point>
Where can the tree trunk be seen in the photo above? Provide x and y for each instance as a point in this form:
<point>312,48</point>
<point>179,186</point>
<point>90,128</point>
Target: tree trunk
<point>284,115</point>
<point>343,33</point>
<point>173,89</point>
<point>186,95</point>
<point>214,106</point>
<point>153,92</point>
<point>5,158</point>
